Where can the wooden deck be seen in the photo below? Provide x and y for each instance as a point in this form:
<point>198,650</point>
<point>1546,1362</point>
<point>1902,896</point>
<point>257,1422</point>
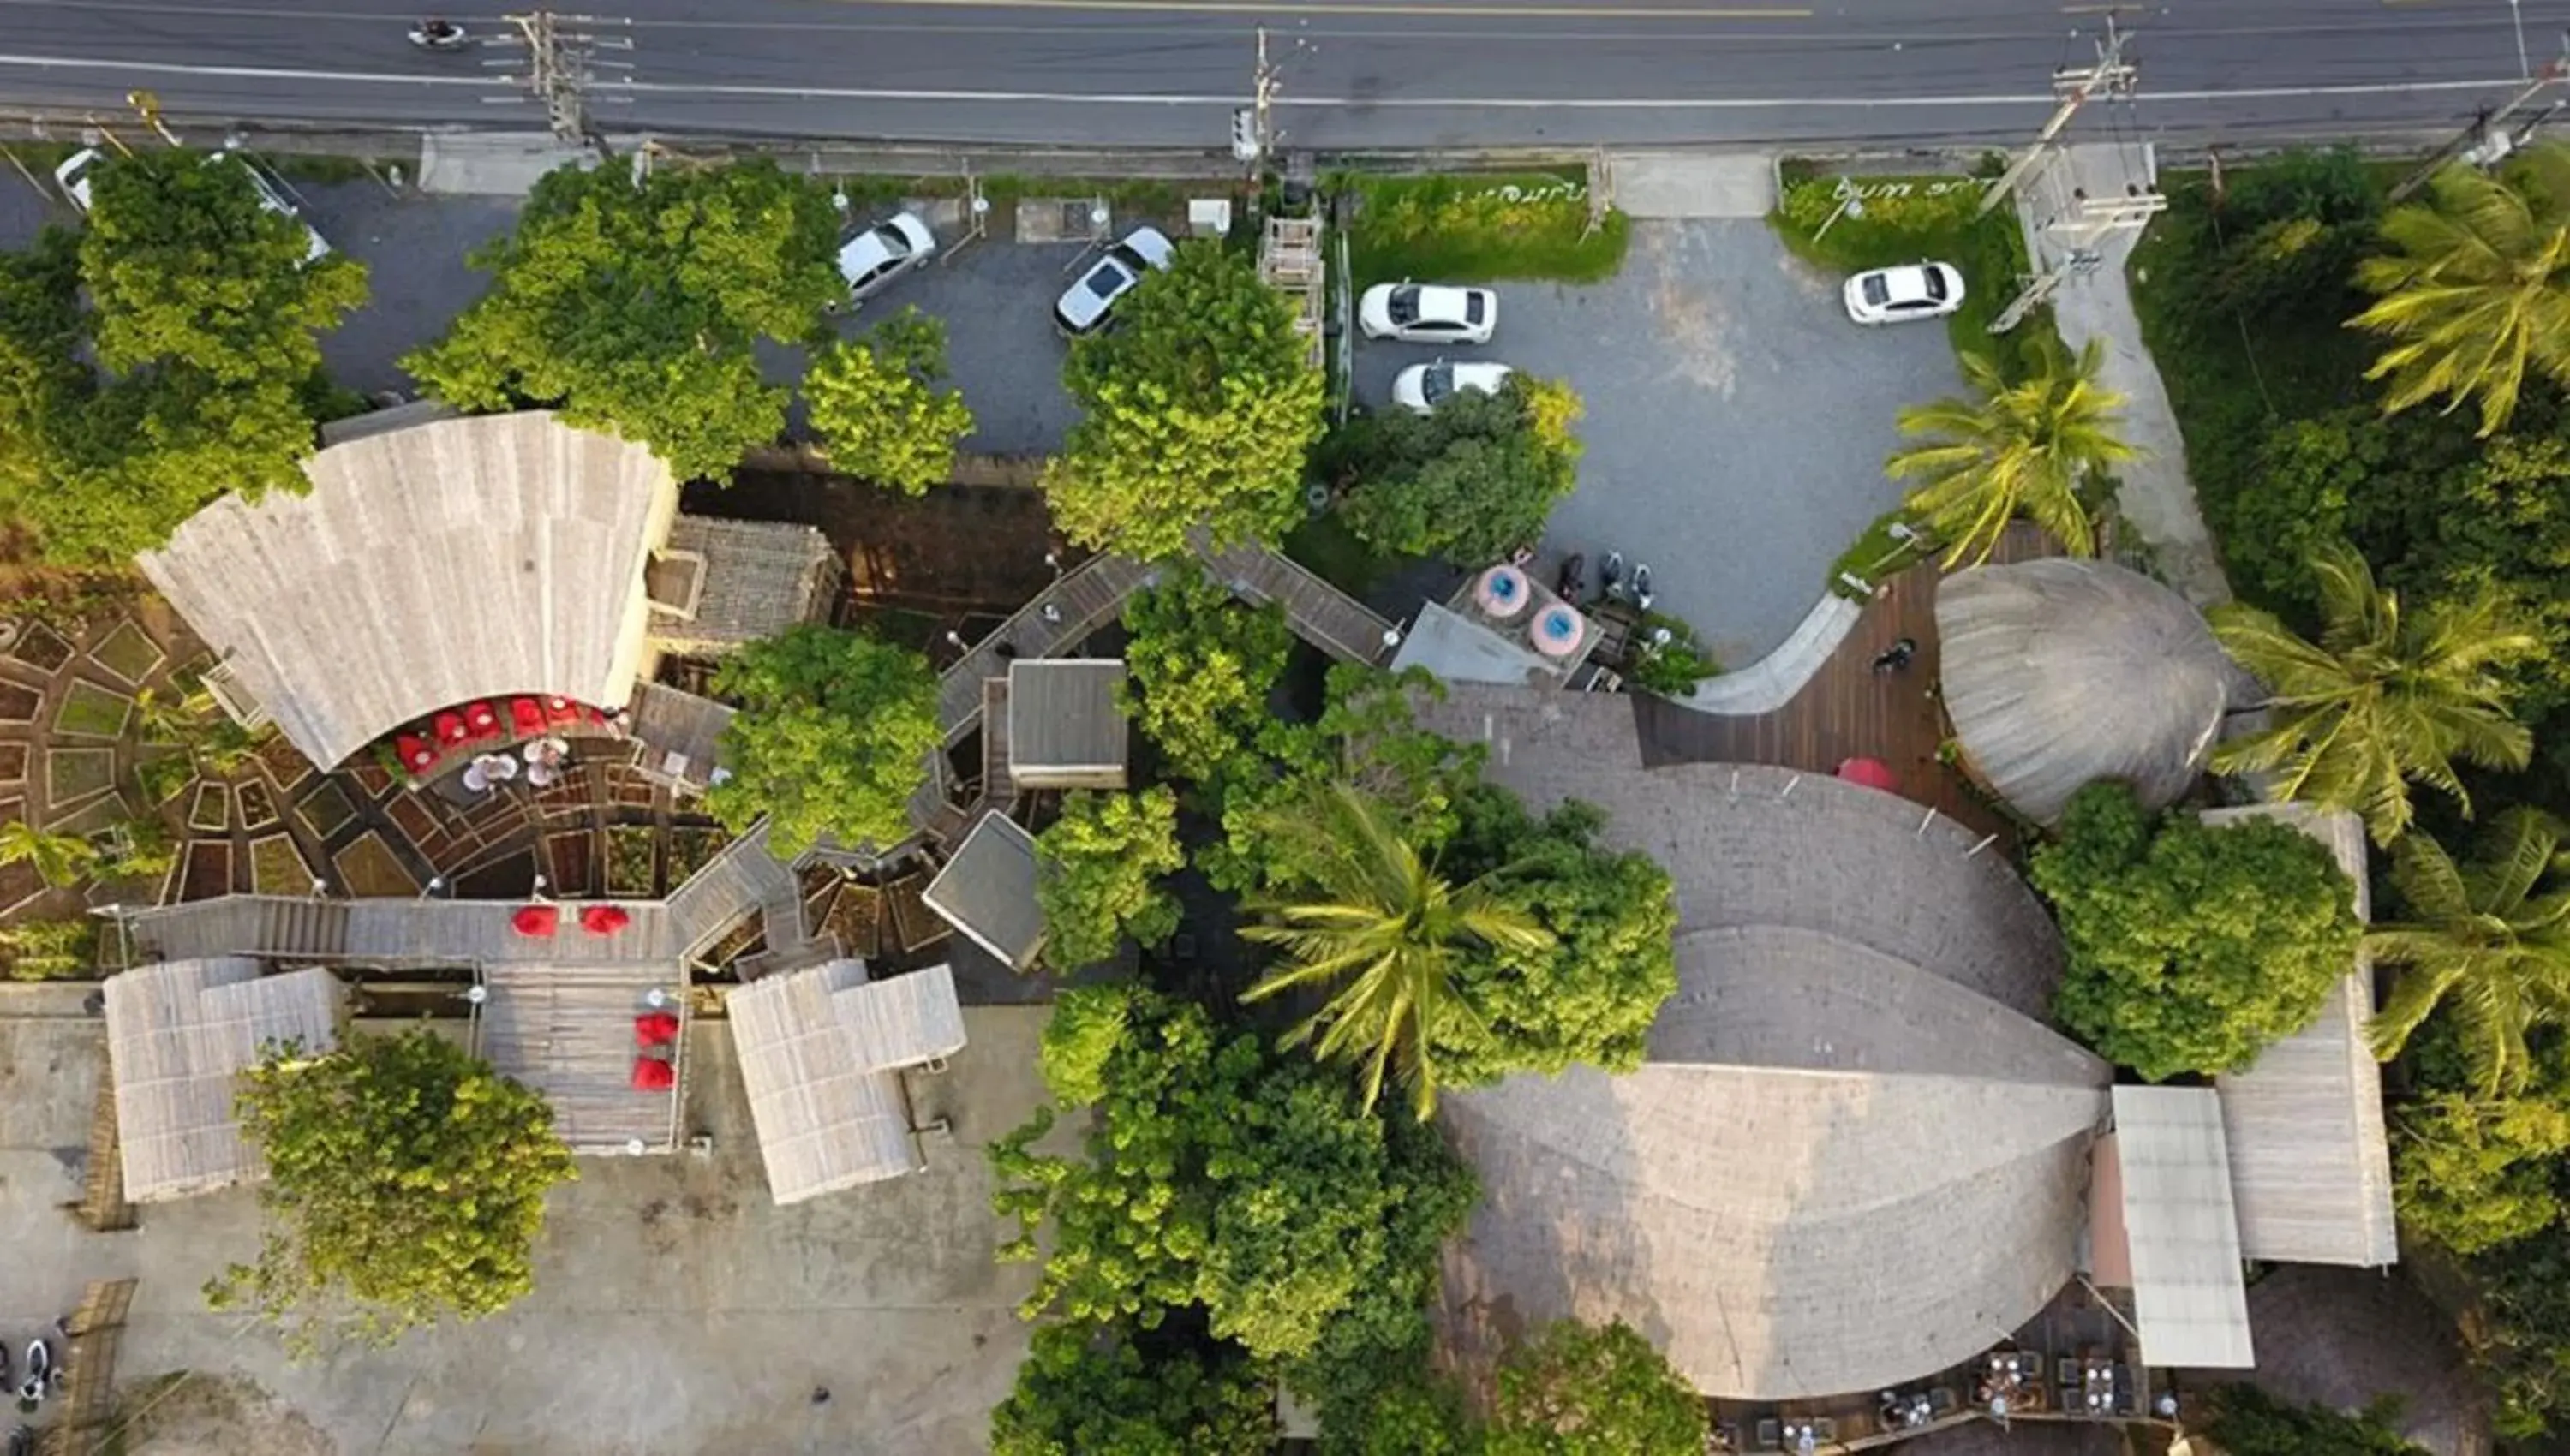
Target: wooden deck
<point>1084,599</point>
<point>1319,612</point>
<point>1848,710</point>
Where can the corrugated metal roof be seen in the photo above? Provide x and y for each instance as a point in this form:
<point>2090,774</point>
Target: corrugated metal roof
<point>988,890</point>
<point>179,1034</point>
<point>819,1052</point>
<point>2184,1235</point>
<point>1065,728</point>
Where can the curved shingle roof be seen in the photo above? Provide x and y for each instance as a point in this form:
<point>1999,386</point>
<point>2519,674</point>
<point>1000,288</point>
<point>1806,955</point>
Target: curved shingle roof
<point>2061,673</point>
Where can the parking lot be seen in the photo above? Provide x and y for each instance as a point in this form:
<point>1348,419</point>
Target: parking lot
<point>675,1307</point>
<point>1736,426</point>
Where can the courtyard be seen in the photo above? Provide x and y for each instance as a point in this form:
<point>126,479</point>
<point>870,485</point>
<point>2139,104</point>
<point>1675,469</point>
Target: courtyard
<point>676,1308</point>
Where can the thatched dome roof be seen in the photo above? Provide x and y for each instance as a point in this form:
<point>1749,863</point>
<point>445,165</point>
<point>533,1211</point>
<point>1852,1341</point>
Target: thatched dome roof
<point>2061,672</point>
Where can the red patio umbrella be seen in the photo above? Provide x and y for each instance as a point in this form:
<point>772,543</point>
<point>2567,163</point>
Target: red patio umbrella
<point>537,922</point>
<point>1874,773</point>
<point>656,1028</point>
<point>650,1075</point>
<point>603,920</point>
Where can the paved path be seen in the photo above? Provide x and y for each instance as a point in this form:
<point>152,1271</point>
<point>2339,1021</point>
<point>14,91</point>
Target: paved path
<point>1424,74</point>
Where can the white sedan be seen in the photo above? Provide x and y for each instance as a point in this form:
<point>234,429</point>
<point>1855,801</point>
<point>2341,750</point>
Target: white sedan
<point>1085,305</point>
<point>1422,386</point>
<point>1429,313</point>
<point>1905,294</point>
<point>883,252</point>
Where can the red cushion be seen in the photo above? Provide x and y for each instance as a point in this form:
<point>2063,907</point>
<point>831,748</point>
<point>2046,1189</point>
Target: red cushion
<point>650,1075</point>
<point>535,921</point>
<point>415,754</point>
<point>657,1028</point>
<point>561,712</point>
<point>451,729</point>
<point>483,722</point>
<point>603,920</point>
<point>527,716</point>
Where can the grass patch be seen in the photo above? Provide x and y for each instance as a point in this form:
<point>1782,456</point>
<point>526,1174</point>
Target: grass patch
<point>1877,557</point>
<point>324,168</point>
<point>1480,228</point>
<point>91,711</point>
<point>1907,219</point>
<point>1325,547</point>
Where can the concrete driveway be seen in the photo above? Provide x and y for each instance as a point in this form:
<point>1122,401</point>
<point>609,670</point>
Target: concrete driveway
<point>1737,421</point>
<point>676,1308</point>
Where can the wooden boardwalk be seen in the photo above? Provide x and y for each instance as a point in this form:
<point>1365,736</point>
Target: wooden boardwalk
<point>1084,599</point>
<point>1319,612</point>
<point>1848,710</point>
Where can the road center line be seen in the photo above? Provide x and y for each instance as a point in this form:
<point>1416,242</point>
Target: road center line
<point>1284,10</point>
<point>502,83</point>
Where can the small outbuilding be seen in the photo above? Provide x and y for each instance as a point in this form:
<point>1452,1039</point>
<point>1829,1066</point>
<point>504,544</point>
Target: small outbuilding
<point>1065,729</point>
<point>820,1054</point>
<point>179,1035</point>
<point>2060,673</point>
<point>718,585</point>
<point>988,890</point>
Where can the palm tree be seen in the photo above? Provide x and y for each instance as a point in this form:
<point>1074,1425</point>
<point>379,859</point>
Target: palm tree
<point>60,860</point>
<point>1382,920</point>
<point>2382,698</point>
<point>2021,448</point>
<point>2489,940</point>
<point>2477,287</point>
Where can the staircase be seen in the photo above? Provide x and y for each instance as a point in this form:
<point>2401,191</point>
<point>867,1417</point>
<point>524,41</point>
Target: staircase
<point>1289,261</point>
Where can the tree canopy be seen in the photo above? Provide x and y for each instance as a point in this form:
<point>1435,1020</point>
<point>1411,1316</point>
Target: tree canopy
<point>833,737</point>
<point>1591,1390</point>
<point>2476,289</point>
<point>875,403</point>
<point>1215,1174</point>
<point>1470,481</point>
<point>406,1182</point>
<point>2487,939</point>
<point>1084,1391</point>
<point>2191,947</point>
<point>1098,872</point>
<point>1199,667</point>
<point>2016,448</point>
<point>1200,403</point>
<point>202,315</point>
<point>635,306</point>
<point>2247,1421</point>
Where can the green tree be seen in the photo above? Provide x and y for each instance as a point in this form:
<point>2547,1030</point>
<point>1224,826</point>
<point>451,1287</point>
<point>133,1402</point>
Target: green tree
<point>1591,1390</point>
<point>2247,1421</point>
<point>1199,667</point>
<point>2489,940</point>
<point>64,949</point>
<point>1393,936</point>
<point>1199,406</point>
<point>2191,947</point>
<point>2475,1174</point>
<point>2381,698</point>
<point>874,401</point>
<point>1470,481</point>
<point>1082,1390</point>
<point>1098,872</point>
<point>1218,1173</point>
<point>406,1183</point>
<point>2024,448</point>
<point>2475,287</point>
<point>833,737</point>
<point>636,306</point>
<point>59,859</point>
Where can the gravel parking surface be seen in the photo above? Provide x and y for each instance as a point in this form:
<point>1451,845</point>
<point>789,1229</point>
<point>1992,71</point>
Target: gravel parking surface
<point>1737,421</point>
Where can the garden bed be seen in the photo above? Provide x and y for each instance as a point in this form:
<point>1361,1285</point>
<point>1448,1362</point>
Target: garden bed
<point>325,809</point>
<point>1906,220</point>
<point>207,871</point>
<point>276,866</point>
<point>161,777</point>
<point>369,869</point>
<point>285,764</point>
<point>19,703</point>
<point>257,806</point>
<point>74,774</point>
<point>1480,228</point>
<point>691,848</point>
<point>631,858</point>
<point>41,647</point>
<point>571,858</point>
<point>13,762</point>
<point>210,811</point>
<point>128,652</point>
<point>91,711</point>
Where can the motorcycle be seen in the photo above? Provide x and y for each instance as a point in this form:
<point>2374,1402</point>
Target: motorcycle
<point>1573,579</point>
<point>439,35</point>
<point>1641,587</point>
<point>1610,577</point>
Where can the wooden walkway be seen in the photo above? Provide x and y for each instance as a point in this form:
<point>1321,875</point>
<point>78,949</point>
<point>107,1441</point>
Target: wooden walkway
<point>1082,601</point>
<point>1319,612</point>
<point>1848,710</point>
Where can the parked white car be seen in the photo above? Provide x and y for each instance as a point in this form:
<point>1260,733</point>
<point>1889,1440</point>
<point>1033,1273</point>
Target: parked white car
<point>1422,386</point>
<point>1085,304</point>
<point>1905,294</point>
<point>883,252</point>
<point>1429,313</point>
<point>74,174</point>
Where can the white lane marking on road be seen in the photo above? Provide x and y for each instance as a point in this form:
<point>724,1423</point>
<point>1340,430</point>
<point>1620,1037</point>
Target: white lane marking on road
<point>1309,103</point>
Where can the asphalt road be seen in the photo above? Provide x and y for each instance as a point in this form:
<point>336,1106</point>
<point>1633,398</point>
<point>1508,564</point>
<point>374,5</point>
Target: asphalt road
<point>1352,72</point>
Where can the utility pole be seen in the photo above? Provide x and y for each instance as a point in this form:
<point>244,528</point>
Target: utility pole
<point>562,59</point>
<point>1253,127</point>
<point>2112,74</point>
<point>2483,142</point>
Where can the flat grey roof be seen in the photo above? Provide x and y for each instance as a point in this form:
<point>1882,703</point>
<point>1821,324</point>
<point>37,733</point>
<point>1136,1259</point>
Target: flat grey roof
<point>988,890</point>
<point>2188,1295</point>
<point>1063,716</point>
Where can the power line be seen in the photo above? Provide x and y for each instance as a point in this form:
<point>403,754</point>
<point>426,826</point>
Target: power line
<point>562,63</point>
